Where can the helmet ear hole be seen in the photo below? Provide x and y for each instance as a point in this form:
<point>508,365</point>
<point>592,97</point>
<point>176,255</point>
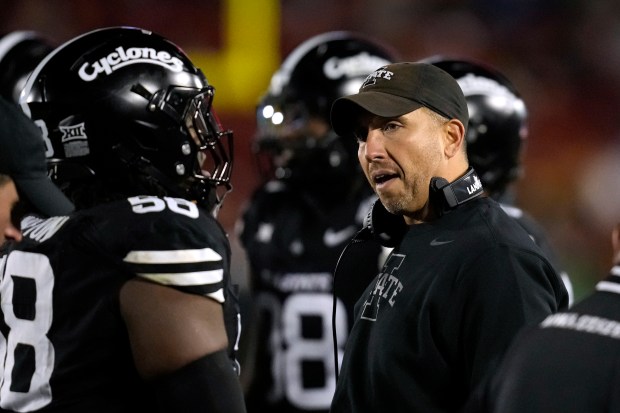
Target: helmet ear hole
<point>122,102</point>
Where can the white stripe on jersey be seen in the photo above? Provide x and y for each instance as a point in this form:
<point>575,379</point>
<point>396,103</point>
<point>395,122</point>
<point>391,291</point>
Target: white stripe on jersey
<point>185,278</point>
<point>172,256</point>
<point>193,278</point>
<point>608,286</point>
<point>217,296</point>
<point>612,287</point>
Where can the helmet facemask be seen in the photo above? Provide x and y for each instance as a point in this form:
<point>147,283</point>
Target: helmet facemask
<point>205,179</point>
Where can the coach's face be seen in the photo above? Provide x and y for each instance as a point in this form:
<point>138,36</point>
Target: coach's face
<point>400,156</point>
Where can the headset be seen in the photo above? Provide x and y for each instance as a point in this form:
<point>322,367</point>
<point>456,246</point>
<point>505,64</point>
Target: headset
<point>389,229</point>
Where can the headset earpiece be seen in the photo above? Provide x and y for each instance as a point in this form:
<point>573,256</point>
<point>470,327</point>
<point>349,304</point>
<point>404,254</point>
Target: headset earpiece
<point>379,224</point>
<point>446,196</point>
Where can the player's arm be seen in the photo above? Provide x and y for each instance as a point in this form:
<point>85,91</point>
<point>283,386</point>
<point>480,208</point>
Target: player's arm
<point>179,344</point>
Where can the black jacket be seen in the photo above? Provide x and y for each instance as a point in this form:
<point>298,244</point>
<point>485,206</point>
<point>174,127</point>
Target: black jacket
<point>443,310</point>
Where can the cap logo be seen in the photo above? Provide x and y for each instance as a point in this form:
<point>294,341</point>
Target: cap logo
<point>120,58</point>
<point>381,73</point>
<point>352,66</point>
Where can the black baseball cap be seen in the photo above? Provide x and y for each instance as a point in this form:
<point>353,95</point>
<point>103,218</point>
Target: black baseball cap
<point>399,88</point>
<point>22,157</point>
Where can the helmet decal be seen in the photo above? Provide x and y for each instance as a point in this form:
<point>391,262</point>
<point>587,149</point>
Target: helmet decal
<point>358,65</point>
<point>74,140</point>
<point>472,84</point>
<point>121,58</point>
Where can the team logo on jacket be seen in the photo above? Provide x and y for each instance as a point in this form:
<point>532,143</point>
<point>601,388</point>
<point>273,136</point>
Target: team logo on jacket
<point>387,288</point>
<point>333,238</point>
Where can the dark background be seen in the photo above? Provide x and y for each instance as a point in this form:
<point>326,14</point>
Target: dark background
<point>563,56</point>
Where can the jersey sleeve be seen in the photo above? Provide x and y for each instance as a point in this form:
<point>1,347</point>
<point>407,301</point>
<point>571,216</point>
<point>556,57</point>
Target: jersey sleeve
<point>198,270</point>
<point>170,241</point>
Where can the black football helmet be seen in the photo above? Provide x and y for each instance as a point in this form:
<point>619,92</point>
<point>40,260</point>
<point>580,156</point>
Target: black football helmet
<point>294,139</point>
<point>497,122</point>
<point>20,52</point>
<point>126,109</point>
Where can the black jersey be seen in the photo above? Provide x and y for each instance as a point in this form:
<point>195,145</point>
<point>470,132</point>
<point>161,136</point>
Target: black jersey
<point>442,311</point>
<point>293,245</point>
<point>568,363</point>
<point>65,346</point>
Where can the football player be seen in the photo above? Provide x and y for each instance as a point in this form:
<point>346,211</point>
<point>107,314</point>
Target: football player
<point>312,203</point>
<point>496,138</point>
<point>126,304</point>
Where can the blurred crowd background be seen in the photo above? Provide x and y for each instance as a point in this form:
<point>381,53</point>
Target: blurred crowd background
<point>562,55</point>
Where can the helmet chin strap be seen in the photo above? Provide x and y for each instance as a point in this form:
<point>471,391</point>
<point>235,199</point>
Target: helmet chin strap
<point>211,200</point>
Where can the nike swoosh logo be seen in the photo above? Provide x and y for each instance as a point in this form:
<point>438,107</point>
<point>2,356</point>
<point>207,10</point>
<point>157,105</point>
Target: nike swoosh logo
<point>332,238</point>
<point>436,242</point>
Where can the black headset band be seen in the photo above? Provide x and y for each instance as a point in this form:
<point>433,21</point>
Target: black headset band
<point>460,191</point>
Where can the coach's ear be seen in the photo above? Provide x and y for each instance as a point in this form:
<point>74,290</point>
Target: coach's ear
<point>454,137</point>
